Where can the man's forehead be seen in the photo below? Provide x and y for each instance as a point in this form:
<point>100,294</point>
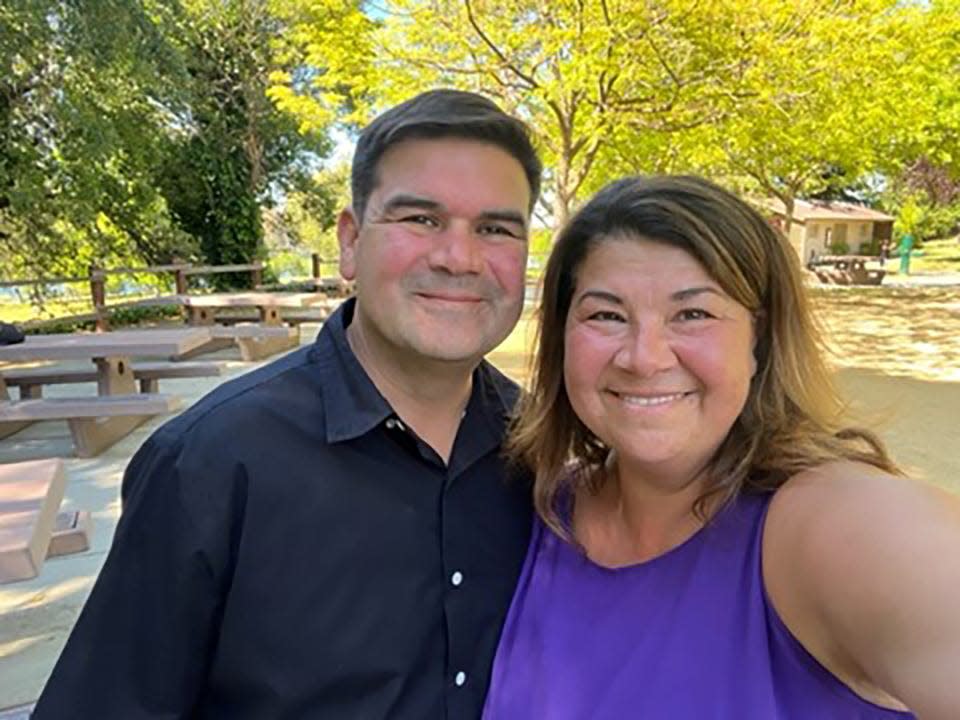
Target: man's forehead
<point>409,162</point>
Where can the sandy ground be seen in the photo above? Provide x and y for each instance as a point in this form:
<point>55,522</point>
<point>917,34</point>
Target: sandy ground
<point>897,351</point>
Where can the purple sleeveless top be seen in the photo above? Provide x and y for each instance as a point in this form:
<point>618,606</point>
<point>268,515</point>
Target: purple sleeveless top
<point>687,635</point>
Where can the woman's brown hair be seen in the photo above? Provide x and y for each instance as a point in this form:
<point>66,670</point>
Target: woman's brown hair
<point>792,419</point>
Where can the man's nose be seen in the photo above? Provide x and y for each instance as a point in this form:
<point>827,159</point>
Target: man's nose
<point>458,250</point>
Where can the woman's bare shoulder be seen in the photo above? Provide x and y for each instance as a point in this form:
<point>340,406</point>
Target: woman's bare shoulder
<point>859,563</point>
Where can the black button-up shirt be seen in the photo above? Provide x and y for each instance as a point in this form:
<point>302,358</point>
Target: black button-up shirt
<point>289,549</point>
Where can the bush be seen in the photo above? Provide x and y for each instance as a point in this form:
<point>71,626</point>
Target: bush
<point>839,247</point>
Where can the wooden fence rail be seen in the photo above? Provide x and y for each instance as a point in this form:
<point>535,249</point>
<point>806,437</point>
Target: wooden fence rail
<point>97,276</point>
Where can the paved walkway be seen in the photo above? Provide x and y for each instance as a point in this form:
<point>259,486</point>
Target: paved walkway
<point>922,280</point>
<point>36,615</point>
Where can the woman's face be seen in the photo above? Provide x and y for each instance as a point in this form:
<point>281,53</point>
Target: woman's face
<point>658,358</point>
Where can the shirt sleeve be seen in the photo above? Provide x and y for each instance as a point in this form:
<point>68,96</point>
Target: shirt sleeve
<point>142,645</point>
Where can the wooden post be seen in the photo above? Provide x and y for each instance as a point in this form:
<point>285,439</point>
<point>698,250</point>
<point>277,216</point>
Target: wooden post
<point>315,260</point>
<point>98,293</point>
<point>180,277</point>
<point>257,276</point>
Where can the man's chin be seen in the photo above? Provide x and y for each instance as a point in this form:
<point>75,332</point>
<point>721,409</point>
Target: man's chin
<point>445,349</point>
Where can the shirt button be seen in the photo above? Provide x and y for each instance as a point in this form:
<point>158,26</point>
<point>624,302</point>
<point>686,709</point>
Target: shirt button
<point>456,578</point>
<point>460,678</point>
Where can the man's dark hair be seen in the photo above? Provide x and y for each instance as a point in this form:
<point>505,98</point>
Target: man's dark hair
<point>440,114</point>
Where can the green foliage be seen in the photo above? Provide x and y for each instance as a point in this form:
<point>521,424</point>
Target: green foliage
<point>119,317</point>
<point>304,223</point>
<point>237,149</point>
<point>137,131</point>
<point>84,88</point>
<point>782,98</point>
<point>839,247</point>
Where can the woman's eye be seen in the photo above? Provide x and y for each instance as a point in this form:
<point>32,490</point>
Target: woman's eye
<point>605,316</point>
<point>694,314</point>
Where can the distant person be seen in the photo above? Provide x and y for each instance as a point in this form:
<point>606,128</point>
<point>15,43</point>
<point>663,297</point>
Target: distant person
<point>905,250</point>
<point>884,251</point>
<point>722,546</point>
<point>10,334</point>
<point>335,535</point>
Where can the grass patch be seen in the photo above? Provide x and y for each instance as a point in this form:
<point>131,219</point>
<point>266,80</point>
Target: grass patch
<point>936,256</point>
<point>19,312</point>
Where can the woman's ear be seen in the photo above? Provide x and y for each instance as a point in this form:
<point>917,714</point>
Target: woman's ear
<point>759,328</point>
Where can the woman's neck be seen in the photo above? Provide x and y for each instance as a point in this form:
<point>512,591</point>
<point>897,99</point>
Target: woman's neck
<point>634,518</point>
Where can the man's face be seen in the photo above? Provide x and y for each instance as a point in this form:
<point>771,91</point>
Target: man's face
<point>440,255</point>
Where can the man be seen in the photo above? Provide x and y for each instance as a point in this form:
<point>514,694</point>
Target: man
<point>335,535</point>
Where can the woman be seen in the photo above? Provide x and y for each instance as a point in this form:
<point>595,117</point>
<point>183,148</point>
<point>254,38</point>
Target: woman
<point>721,546</point>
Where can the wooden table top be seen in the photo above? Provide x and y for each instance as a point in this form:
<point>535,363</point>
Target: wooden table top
<point>162,341</point>
<point>251,299</point>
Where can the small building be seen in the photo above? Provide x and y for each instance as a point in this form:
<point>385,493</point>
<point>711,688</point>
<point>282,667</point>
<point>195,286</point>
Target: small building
<point>823,227</point>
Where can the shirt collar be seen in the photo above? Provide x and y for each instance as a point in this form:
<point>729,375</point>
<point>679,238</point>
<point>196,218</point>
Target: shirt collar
<point>353,406</point>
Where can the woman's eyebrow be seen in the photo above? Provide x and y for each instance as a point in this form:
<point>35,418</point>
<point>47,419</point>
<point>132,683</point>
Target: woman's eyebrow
<point>688,293</point>
<point>603,295</point>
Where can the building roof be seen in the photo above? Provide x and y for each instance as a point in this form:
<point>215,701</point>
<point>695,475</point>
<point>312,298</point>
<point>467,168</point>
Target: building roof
<point>812,210</point>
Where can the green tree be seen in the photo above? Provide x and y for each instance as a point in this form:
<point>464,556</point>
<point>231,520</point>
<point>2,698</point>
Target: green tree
<point>579,73</point>
<point>85,90</point>
<point>827,97</point>
<point>235,151</point>
<point>304,222</point>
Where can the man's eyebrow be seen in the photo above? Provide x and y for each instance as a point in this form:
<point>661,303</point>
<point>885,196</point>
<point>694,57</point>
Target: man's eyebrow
<point>404,200</point>
<point>688,293</point>
<point>509,216</point>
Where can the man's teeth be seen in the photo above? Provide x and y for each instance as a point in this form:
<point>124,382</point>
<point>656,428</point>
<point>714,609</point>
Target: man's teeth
<point>654,400</point>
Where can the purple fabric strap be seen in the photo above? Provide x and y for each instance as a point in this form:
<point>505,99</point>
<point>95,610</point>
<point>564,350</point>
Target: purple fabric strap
<point>687,635</point>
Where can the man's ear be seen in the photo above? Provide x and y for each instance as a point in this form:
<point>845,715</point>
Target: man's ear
<point>348,235</point>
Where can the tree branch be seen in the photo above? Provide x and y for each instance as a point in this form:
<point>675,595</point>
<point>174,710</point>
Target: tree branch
<point>496,50</point>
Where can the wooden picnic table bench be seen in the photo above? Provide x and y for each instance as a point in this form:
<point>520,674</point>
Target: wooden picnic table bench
<point>30,381</point>
<point>31,528</point>
<point>99,421</point>
<point>30,496</point>
<point>846,270</point>
<point>95,422</point>
<point>269,334</point>
<point>257,341</point>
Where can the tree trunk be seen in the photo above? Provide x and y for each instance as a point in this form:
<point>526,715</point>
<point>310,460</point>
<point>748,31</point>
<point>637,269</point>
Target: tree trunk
<point>561,209</point>
<point>788,206</point>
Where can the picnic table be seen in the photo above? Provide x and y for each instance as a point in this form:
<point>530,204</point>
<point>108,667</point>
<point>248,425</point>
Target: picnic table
<point>99,421</point>
<point>258,337</point>
<point>845,270</point>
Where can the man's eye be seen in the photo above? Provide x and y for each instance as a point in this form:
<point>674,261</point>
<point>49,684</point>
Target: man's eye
<point>493,229</point>
<point>420,220</point>
<point>694,314</point>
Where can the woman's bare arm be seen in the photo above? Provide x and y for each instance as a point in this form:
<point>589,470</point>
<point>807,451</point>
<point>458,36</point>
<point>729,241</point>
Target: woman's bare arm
<point>864,568</point>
